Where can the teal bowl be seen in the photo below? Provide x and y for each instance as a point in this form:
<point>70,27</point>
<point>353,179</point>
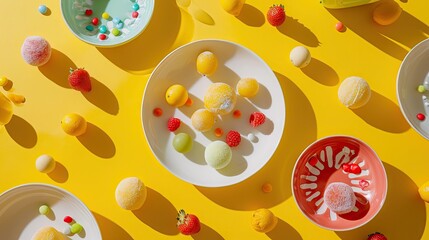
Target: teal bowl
<point>107,23</point>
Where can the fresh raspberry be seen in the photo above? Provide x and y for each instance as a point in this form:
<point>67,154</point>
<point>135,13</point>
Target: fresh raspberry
<point>173,124</point>
<point>256,119</point>
<point>233,138</point>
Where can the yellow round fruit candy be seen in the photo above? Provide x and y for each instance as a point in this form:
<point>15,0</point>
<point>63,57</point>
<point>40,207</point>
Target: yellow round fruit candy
<point>3,81</point>
<point>354,92</point>
<point>424,191</point>
<point>247,87</point>
<point>232,6</point>
<point>203,120</point>
<point>220,98</point>
<point>176,95</point>
<point>263,220</point>
<point>131,193</point>
<point>207,63</point>
<point>74,124</point>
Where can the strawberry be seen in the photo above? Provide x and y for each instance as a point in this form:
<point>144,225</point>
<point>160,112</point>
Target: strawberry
<point>376,236</point>
<point>173,124</point>
<point>276,15</point>
<point>188,224</point>
<point>80,80</point>
<point>233,138</point>
<point>256,119</point>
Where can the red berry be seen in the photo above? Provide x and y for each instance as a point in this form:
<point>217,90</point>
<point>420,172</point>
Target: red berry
<point>188,224</point>
<point>80,80</point>
<point>88,12</point>
<point>102,36</point>
<point>354,168</point>
<point>68,219</point>
<point>233,138</point>
<point>376,236</point>
<point>173,124</point>
<point>313,161</point>
<point>95,21</point>
<point>276,15</point>
<point>135,14</point>
<point>256,119</point>
<point>421,116</point>
<point>346,167</point>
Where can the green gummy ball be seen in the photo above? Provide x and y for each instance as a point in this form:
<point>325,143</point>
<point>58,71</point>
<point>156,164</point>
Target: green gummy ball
<point>421,88</point>
<point>76,228</point>
<point>44,209</point>
<point>116,32</point>
<point>182,142</point>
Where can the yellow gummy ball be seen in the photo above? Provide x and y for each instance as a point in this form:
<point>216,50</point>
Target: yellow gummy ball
<point>232,6</point>
<point>203,120</point>
<point>424,192</point>
<point>3,81</point>
<point>74,124</point>
<point>354,92</point>
<point>176,95</point>
<point>247,87</point>
<point>263,220</point>
<point>220,98</point>
<point>131,193</point>
<point>105,15</point>
<point>207,63</point>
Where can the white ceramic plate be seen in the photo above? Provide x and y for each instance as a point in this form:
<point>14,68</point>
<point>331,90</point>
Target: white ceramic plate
<point>20,218</point>
<point>412,73</point>
<point>235,62</point>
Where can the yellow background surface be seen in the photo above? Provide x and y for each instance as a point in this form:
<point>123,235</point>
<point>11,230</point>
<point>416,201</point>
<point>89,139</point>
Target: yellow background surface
<point>91,166</point>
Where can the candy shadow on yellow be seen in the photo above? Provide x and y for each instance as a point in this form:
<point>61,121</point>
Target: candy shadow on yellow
<point>158,213</point>
<point>300,130</point>
<point>110,230</point>
<point>321,72</point>
<point>102,97</point>
<point>57,69</point>
<point>407,30</point>
<point>97,142</point>
<point>298,31</point>
<point>142,54</point>
<point>382,113</point>
<point>206,233</point>
<point>283,229</point>
<point>59,174</point>
<point>403,209</point>
<point>251,16</point>
<point>21,132</point>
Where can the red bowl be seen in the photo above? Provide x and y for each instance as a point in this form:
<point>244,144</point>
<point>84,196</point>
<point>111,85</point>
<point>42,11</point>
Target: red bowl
<point>321,163</point>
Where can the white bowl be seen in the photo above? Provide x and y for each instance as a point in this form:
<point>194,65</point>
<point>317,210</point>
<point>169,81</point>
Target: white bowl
<point>412,73</point>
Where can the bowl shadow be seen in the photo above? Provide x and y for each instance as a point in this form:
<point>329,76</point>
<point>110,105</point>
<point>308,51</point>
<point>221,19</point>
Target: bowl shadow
<point>21,132</point>
<point>97,142</point>
<point>110,230</point>
<point>251,16</point>
<point>298,31</point>
<point>403,209</point>
<point>382,113</point>
<point>142,54</point>
<point>102,97</point>
<point>158,213</point>
<point>407,30</point>
<point>300,130</point>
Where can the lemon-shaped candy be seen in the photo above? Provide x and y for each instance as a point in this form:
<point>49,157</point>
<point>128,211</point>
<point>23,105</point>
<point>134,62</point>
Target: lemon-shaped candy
<point>176,95</point>
<point>207,63</point>
<point>74,124</point>
<point>424,192</point>
<point>232,6</point>
<point>247,87</point>
<point>220,98</point>
<point>263,220</point>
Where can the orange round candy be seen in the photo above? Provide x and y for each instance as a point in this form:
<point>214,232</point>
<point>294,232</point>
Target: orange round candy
<point>157,112</point>
<point>267,188</point>
<point>237,113</point>
<point>386,13</point>
<point>218,132</point>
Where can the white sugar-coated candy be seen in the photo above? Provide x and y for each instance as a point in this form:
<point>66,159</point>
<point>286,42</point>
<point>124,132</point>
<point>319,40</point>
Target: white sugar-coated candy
<point>36,51</point>
<point>45,163</point>
<point>300,56</point>
<point>67,230</point>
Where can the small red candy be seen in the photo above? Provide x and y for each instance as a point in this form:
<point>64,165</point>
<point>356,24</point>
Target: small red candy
<point>313,161</point>
<point>135,14</point>
<point>236,114</point>
<point>340,27</point>
<point>354,168</point>
<point>157,112</point>
<point>421,116</point>
<point>102,36</point>
<point>88,12</point>
<point>346,167</point>
<point>68,219</point>
<point>95,21</point>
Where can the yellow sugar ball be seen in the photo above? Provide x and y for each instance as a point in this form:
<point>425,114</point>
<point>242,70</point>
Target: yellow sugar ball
<point>220,98</point>
<point>354,92</point>
<point>247,87</point>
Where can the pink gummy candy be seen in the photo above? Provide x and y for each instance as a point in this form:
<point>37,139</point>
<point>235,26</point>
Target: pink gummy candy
<point>339,197</point>
<point>36,50</point>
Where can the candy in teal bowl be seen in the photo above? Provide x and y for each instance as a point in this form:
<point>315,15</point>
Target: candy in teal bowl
<point>107,23</point>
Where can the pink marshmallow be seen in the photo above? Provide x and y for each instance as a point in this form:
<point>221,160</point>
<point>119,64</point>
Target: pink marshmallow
<point>339,197</point>
<point>36,50</point>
